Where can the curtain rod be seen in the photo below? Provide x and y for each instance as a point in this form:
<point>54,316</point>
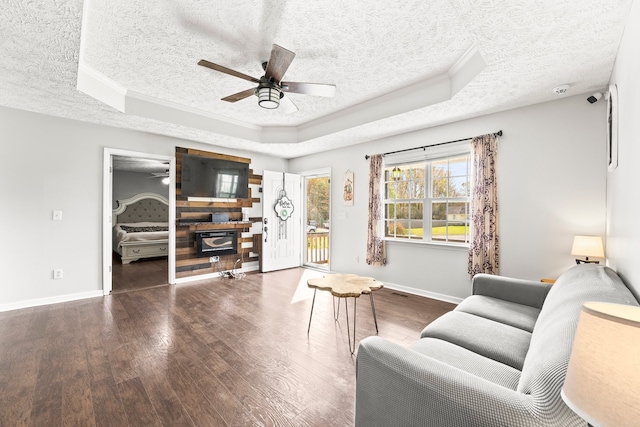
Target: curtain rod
<point>366,157</point>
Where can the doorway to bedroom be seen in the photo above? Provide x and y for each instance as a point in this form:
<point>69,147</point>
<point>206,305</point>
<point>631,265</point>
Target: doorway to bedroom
<point>138,248</point>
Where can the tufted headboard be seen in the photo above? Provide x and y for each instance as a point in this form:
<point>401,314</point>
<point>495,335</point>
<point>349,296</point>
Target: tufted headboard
<point>143,207</point>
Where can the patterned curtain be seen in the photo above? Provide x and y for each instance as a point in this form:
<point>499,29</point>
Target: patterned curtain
<point>375,242</point>
<point>484,247</point>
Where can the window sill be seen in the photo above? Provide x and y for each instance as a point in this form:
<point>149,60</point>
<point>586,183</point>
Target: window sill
<point>438,245</point>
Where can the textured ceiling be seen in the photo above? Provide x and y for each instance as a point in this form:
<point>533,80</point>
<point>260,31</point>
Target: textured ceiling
<point>139,164</point>
<point>378,55</point>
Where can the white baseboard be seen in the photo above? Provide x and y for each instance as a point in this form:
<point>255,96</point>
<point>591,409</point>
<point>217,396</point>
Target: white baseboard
<point>415,291</point>
<point>99,293</point>
<point>215,275</point>
<point>49,300</point>
<point>423,293</point>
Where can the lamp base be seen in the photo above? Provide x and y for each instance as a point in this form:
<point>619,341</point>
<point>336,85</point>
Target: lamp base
<point>587,261</point>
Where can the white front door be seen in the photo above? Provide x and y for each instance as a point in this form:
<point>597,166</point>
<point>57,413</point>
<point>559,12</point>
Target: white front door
<point>282,214</point>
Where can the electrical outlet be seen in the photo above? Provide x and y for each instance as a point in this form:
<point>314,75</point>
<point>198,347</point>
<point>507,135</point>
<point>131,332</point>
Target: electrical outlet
<point>57,273</point>
<point>357,258</point>
<point>214,259</point>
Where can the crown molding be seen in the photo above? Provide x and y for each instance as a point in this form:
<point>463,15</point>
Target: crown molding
<point>427,92</point>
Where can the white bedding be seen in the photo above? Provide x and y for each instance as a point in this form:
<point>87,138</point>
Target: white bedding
<point>120,235</point>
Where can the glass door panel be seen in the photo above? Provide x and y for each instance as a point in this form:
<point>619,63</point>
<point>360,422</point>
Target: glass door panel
<point>317,221</point>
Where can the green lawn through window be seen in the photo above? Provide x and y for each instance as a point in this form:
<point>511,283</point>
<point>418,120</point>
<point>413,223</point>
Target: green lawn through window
<point>454,230</point>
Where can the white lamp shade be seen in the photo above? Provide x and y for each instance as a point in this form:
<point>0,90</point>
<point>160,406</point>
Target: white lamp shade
<point>603,378</point>
<point>587,246</point>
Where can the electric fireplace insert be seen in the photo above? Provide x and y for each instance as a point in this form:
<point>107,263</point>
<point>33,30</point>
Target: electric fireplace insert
<point>219,242</point>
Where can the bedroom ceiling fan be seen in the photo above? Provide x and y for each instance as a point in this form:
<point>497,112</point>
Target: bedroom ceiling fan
<point>270,90</point>
<point>164,175</point>
<point>160,174</point>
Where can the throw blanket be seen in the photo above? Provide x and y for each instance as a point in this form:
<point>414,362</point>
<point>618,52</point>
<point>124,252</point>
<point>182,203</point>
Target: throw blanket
<point>139,232</point>
<point>130,229</point>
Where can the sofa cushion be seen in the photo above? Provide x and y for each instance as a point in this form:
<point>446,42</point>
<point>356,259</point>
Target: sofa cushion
<point>516,315</point>
<point>468,361</point>
<point>488,338</point>
<point>546,363</point>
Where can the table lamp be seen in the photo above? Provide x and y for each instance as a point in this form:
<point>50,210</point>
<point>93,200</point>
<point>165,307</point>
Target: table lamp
<point>587,246</point>
<point>603,378</point>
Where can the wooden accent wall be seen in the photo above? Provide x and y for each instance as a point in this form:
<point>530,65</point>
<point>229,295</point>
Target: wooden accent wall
<point>187,263</point>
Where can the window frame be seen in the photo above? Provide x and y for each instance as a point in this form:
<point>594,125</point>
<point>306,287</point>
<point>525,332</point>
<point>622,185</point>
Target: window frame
<point>427,158</point>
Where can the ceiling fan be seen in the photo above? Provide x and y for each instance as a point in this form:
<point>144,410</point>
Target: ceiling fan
<point>164,175</point>
<point>270,90</point>
<point>160,174</point>
<point>156,171</point>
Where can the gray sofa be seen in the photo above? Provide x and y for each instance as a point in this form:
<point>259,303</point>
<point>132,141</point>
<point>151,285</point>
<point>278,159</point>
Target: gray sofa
<point>498,359</point>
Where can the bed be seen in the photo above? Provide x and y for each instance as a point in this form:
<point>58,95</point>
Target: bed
<point>141,227</point>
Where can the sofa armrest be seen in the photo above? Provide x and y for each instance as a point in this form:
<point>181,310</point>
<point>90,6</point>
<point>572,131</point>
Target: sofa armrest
<point>519,291</point>
<point>397,386</point>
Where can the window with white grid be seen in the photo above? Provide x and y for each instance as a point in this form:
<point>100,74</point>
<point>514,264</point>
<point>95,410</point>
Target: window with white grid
<point>428,200</point>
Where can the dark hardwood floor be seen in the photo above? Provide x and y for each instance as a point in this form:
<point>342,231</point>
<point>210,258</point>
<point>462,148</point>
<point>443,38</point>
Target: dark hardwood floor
<point>219,352</point>
<point>144,273</point>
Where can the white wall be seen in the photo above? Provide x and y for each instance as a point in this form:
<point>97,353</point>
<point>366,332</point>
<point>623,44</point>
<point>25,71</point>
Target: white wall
<point>127,184</point>
<point>552,186</point>
<point>551,166</point>
<point>623,184</point>
<point>47,164</point>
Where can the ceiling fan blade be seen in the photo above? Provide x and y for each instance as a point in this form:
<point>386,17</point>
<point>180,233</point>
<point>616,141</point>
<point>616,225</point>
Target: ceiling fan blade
<point>278,63</point>
<point>216,67</point>
<point>287,106</point>
<point>159,175</point>
<point>317,89</point>
<point>240,95</point>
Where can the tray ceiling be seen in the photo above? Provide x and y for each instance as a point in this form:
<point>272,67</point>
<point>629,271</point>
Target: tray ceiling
<point>133,64</point>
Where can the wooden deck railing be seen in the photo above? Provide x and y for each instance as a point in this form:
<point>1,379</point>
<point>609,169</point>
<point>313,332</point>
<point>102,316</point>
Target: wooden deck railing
<point>318,247</point>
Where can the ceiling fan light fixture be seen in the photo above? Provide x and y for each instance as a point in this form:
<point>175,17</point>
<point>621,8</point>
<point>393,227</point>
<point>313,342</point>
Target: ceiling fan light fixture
<point>268,97</point>
<point>271,88</point>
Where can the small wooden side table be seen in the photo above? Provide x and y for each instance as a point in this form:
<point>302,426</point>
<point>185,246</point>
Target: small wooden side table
<point>345,286</point>
<point>550,281</point>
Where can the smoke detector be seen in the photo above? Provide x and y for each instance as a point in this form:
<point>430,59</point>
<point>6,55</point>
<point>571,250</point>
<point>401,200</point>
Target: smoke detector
<point>561,90</point>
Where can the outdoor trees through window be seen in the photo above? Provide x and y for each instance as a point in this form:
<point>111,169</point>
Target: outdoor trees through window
<point>317,234</point>
<point>318,201</point>
<point>429,200</point>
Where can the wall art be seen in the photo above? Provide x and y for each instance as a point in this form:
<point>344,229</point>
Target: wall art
<point>347,189</point>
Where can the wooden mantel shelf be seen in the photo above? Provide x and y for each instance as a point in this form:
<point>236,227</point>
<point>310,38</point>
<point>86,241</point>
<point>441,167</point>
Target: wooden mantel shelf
<point>180,223</point>
<point>206,225</point>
